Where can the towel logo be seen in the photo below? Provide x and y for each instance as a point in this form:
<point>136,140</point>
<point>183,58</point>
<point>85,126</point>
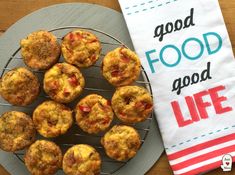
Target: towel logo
<point>227,162</point>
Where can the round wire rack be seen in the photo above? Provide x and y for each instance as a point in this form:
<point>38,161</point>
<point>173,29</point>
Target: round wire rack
<point>95,83</point>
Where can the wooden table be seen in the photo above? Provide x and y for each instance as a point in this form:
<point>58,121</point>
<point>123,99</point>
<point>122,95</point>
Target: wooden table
<point>13,10</point>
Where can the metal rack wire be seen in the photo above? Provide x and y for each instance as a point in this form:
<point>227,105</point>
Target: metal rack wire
<point>95,83</point>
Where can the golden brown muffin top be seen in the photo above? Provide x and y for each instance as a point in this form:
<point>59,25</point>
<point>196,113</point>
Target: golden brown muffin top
<point>121,66</point>
<point>63,82</point>
<point>132,104</point>
<point>81,48</point>
<point>82,160</point>
<point>40,50</point>
<point>121,142</point>
<point>19,86</point>
<point>94,113</point>
<point>16,131</point>
<point>52,119</point>
<point>43,158</point>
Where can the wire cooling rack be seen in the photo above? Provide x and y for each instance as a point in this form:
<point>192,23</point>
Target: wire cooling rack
<point>95,83</point>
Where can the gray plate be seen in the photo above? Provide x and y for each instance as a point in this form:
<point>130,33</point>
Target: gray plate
<point>92,16</point>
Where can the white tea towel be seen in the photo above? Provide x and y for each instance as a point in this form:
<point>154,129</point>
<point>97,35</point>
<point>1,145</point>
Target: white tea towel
<point>185,49</point>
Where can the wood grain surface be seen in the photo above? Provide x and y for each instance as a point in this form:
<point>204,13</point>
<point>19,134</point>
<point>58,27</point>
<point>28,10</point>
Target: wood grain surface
<point>13,10</point>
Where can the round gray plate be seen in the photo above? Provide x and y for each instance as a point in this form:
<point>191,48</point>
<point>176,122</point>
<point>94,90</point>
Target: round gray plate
<point>86,15</point>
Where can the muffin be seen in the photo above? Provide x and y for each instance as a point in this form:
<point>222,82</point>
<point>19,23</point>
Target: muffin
<point>121,67</point>
<point>81,48</point>
<point>121,142</point>
<point>19,86</point>
<point>40,50</point>
<point>94,114</point>
<point>16,131</point>
<point>63,82</point>
<point>43,158</point>
<point>82,160</point>
<point>52,119</point>
<point>132,104</point>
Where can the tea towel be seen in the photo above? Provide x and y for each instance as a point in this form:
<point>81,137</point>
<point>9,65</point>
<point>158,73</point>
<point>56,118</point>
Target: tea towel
<point>185,49</point>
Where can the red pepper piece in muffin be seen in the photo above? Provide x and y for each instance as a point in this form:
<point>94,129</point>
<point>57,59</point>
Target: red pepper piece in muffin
<point>81,48</point>
<point>63,82</point>
<point>93,114</point>
<point>121,67</point>
<point>121,142</point>
<point>82,159</point>
<point>132,104</point>
<point>52,119</point>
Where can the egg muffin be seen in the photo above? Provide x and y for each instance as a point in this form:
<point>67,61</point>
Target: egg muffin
<point>40,50</point>
<point>81,48</point>
<point>43,158</point>
<point>19,86</point>
<point>63,82</point>
<point>121,67</point>
<point>52,119</point>
<point>16,131</point>
<point>81,160</point>
<point>121,142</point>
<point>132,104</point>
<point>94,114</point>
